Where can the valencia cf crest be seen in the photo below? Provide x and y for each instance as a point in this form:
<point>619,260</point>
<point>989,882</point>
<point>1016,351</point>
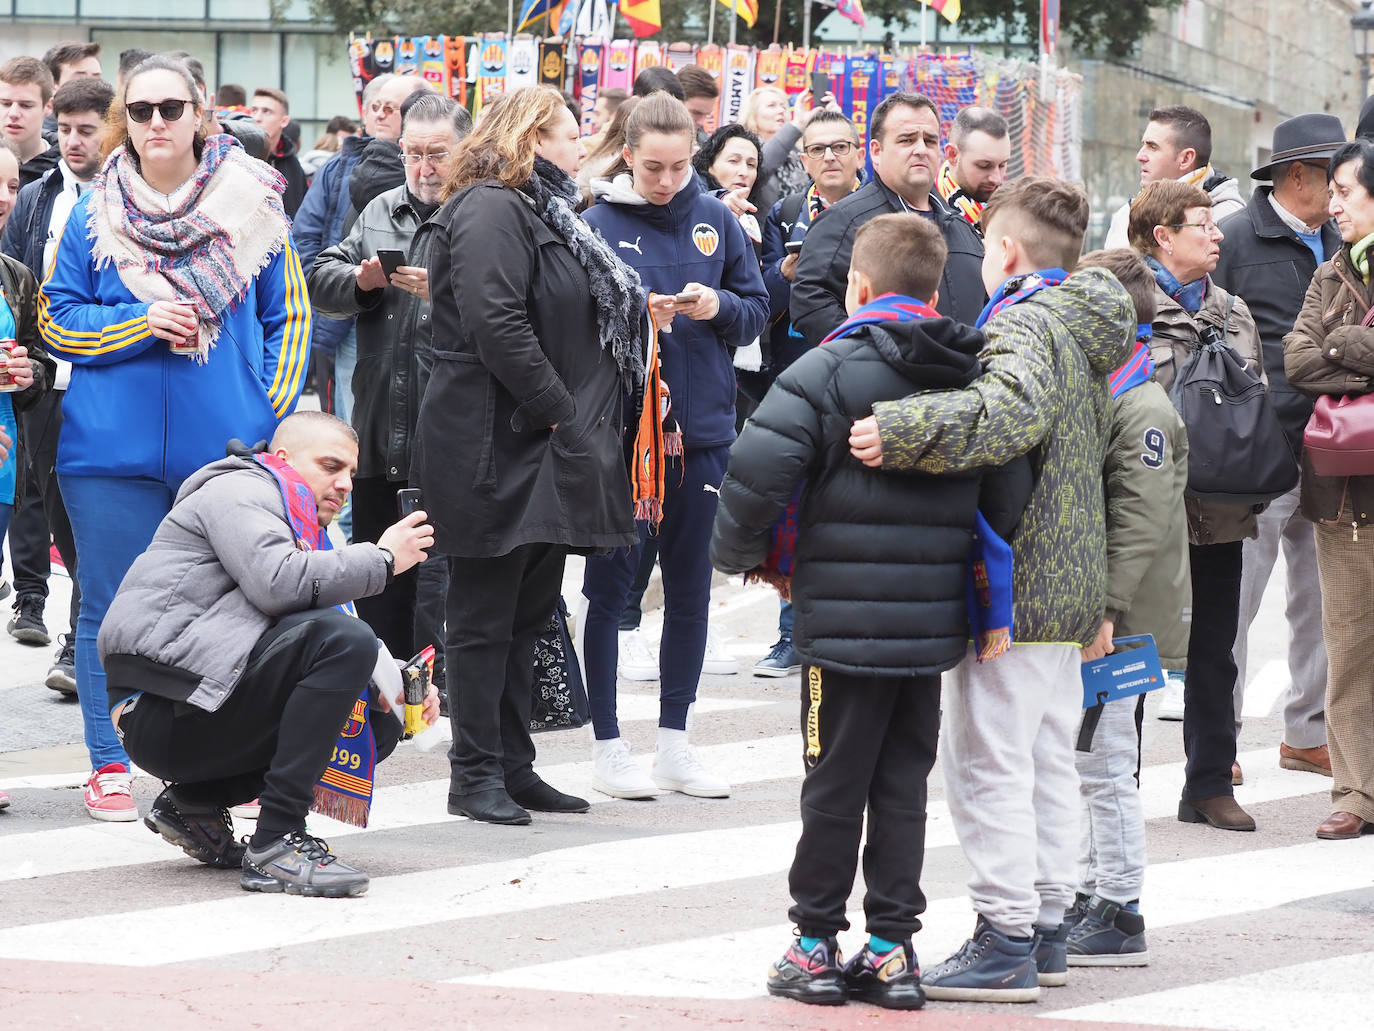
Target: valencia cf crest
<point>706,237</point>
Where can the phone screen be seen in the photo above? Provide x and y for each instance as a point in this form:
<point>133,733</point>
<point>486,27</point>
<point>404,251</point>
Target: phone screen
<point>820,86</point>
<point>391,261</point>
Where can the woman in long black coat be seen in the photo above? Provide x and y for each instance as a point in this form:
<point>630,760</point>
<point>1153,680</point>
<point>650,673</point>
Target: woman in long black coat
<point>518,444</point>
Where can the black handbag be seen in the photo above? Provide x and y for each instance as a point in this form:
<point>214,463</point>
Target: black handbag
<point>559,694</point>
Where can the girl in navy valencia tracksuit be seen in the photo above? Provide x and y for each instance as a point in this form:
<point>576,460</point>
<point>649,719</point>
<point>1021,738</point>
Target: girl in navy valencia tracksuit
<point>680,241</point>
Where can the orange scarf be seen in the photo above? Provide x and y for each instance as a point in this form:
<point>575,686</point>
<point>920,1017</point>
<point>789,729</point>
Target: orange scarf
<point>657,437</point>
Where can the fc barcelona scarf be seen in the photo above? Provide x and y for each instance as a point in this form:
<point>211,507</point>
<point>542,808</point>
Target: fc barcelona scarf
<point>988,591</point>
<point>1139,368</point>
<point>1017,289</point>
<point>344,791</point>
<point>887,308</point>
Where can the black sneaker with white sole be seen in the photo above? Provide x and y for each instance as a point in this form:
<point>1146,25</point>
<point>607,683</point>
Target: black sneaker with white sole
<point>203,832</point>
<point>27,626</point>
<point>62,673</point>
<point>299,864</point>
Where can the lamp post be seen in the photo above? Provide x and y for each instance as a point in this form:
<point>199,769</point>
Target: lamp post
<point>1362,25</point>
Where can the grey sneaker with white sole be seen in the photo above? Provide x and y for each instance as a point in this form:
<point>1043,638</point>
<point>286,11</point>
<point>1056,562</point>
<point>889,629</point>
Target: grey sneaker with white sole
<point>299,864</point>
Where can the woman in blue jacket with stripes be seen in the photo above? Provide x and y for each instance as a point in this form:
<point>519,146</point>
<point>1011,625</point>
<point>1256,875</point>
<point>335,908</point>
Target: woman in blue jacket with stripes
<point>177,295</point>
<point>708,294</point>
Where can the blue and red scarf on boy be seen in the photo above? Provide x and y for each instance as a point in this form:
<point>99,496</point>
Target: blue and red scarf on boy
<point>1139,368</point>
<point>344,791</point>
<point>1017,289</point>
<point>887,308</point>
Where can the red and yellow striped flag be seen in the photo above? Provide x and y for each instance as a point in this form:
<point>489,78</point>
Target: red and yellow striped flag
<point>949,9</point>
<point>749,9</point>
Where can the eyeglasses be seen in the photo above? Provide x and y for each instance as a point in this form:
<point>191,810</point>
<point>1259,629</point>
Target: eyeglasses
<point>1207,227</point>
<point>381,107</point>
<point>839,148</point>
<point>437,157</point>
<point>141,111</point>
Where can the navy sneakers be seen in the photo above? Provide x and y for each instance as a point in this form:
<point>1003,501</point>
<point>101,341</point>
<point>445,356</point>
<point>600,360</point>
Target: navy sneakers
<point>990,967</point>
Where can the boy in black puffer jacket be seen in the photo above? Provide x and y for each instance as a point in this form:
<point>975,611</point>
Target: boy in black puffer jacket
<point>879,595</point>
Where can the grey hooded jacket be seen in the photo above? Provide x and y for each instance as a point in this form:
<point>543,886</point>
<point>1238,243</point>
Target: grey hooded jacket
<point>223,567</point>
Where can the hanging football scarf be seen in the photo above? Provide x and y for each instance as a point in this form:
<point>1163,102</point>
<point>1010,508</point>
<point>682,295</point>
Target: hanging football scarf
<point>770,67</point>
<point>384,56</point>
<point>797,72</point>
<point>344,791</point>
<point>860,93</point>
<point>712,58</point>
<point>680,55</point>
<point>589,74</point>
<point>738,83</point>
<point>360,64</point>
<point>432,67</point>
<point>491,71</point>
<point>648,55</point>
<point>456,64</point>
<point>617,70</point>
<point>893,70</point>
<point>553,64</point>
<point>407,56</point>
<point>520,63</point>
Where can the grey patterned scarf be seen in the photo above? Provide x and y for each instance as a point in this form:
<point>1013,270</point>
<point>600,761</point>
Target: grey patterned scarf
<point>615,286</point>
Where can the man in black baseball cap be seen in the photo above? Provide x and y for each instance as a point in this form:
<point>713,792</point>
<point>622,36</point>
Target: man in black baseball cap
<point>1272,249</point>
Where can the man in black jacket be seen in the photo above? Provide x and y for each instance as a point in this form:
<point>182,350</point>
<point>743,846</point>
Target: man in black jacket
<point>905,145</point>
<point>1271,251</point>
<point>31,235</point>
<point>272,113</point>
<point>347,281</point>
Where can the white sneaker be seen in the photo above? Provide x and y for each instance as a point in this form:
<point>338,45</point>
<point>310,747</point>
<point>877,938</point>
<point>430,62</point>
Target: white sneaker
<point>614,773</point>
<point>677,768</point>
<point>637,659</point>
<point>717,661</point>
<point>1171,698</point>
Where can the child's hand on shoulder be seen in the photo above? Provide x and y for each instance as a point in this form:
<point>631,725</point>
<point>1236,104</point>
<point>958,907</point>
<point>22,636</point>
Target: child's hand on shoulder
<point>866,442</point>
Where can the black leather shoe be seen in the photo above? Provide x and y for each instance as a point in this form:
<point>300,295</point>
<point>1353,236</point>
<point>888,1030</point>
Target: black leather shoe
<point>490,806</point>
<point>539,797</point>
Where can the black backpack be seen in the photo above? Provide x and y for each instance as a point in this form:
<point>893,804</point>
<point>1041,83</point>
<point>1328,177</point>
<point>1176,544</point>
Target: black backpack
<point>1237,450</point>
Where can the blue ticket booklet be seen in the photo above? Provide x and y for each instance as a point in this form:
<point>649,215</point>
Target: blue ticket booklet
<point>1132,669</point>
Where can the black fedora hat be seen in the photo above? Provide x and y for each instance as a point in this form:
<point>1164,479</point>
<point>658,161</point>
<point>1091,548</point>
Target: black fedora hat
<point>1312,137</point>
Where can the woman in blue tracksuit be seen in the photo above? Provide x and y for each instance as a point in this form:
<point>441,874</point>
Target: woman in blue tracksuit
<point>177,296</point>
<point>683,243</point>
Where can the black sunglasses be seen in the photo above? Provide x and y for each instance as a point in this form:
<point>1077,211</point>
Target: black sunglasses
<point>141,111</point>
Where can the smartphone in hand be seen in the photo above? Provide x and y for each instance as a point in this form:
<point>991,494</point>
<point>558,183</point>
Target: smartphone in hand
<point>391,261</point>
<point>820,86</point>
<point>408,500</point>
<point>687,298</point>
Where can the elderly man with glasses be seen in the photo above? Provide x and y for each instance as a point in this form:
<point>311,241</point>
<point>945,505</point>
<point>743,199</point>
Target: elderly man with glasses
<point>355,279</point>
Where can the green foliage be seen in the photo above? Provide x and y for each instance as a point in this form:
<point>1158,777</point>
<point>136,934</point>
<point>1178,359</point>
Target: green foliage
<point>1112,27</point>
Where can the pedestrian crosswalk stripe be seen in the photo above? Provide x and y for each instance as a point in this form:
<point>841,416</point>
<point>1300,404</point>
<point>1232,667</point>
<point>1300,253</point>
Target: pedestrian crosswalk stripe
<point>96,846</point>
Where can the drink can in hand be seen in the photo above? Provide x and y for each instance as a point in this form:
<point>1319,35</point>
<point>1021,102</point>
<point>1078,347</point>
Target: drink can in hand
<point>6,377</point>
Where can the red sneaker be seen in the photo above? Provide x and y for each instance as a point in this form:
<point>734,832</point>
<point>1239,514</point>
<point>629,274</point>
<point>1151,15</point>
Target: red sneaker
<point>55,559</point>
<point>247,810</point>
<point>109,796</point>
<point>4,799</point>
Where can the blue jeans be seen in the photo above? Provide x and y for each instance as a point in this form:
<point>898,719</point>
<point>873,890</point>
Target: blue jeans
<point>345,361</point>
<point>785,619</point>
<point>113,520</point>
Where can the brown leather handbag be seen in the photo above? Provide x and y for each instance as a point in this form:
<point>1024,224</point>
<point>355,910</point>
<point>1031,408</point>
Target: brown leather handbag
<point>1339,437</point>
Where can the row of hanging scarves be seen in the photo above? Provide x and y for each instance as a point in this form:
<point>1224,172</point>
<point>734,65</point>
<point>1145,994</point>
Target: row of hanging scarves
<point>474,70</point>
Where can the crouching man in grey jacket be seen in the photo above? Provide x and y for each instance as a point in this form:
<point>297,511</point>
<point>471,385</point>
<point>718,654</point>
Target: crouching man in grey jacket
<point>230,669</point>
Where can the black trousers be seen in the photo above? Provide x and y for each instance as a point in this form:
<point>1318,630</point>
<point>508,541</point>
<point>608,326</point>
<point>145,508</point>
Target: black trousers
<point>391,614</point>
<point>41,512</point>
<point>497,608</point>
<point>1209,717</point>
<point>431,597</point>
<point>276,732</point>
<point>869,742</point>
<point>323,363</point>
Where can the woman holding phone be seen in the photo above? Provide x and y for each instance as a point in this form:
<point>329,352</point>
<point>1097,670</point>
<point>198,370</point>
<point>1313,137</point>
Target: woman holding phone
<point>707,293</point>
<point>177,296</point>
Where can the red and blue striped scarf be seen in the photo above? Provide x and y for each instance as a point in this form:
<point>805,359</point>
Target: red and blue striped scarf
<point>1139,368</point>
<point>887,308</point>
<point>1017,289</point>
<point>344,790</point>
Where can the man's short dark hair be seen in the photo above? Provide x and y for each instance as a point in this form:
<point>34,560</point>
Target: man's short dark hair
<point>435,107</point>
<point>1188,128</point>
<point>131,59</point>
<point>263,91</point>
<point>69,51</point>
<point>829,116</point>
<point>900,254</point>
<point>18,71</point>
<point>902,99</point>
<point>1048,217</point>
<point>82,94</point>
<point>192,63</point>
<point>307,423</point>
<point>651,80</point>
<point>977,119</point>
<point>231,94</point>
<point>697,82</point>
<point>1130,271</point>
